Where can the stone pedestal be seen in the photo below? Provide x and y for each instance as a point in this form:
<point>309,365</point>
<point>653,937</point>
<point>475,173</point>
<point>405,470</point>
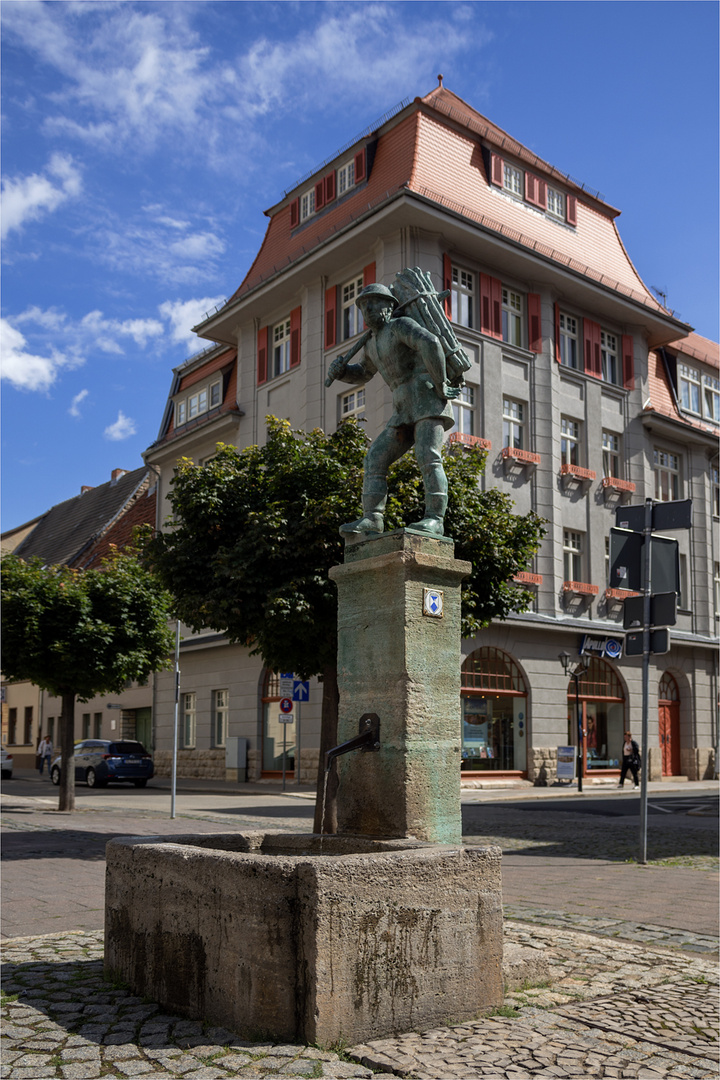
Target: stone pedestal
<point>399,657</point>
<point>306,939</point>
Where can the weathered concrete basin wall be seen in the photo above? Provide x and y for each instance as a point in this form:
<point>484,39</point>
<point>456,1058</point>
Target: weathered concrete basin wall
<point>263,935</point>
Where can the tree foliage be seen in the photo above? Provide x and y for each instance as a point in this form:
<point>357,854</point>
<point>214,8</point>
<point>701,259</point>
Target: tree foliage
<point>254,532</point>
<point>81,633</point>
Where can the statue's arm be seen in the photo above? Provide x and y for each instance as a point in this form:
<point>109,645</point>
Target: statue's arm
<point>361,372</point>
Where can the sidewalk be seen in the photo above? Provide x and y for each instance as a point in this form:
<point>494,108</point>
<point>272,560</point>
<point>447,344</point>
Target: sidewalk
<point>631,1010</point>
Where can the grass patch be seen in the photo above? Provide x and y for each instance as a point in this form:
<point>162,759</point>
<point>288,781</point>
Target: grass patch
<point>507,1011</point>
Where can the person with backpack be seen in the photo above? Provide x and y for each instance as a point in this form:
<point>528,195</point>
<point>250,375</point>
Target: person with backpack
<point>631,760</point>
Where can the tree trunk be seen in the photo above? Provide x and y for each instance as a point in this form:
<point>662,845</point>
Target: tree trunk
<point>328,739</point>
<point>67,744</point>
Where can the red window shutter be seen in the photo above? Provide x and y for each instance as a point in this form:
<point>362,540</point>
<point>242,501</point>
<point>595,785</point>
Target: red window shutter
<point>360,166</point>
<point>447,284</point>
<point>295,322</point>
<point>535,190</point>
<point>571,210</point>
<point>628,361</point>
<point>330,317</point>
<point>535,342</point>
<point>496,170</point>
<point>591,336</point>
<point>542,194</point>
<point>294,213</point>
<point>496,308</point>
<point>369,275</point>
<point>319,194</point>
<point>262,355</point>
<point>490,306</point>
<point>558,354</point>
<point>330,186</point>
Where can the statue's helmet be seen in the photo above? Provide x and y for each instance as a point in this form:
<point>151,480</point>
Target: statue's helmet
<point>376,290</point>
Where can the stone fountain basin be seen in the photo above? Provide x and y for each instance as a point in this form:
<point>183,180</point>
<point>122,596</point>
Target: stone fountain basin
<point>302,938</point>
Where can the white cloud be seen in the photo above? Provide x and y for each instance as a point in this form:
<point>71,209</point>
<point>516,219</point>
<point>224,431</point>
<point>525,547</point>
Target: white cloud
<point>198,246</point>
<point>184,314</point>
<point>123,428</point>
<point>30,197</point>
<point>25,370</point>
<point>140,330</point>
<point>77,401</point>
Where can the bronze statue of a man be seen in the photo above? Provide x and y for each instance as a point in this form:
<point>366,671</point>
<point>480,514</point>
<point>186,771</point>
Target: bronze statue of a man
<point>412,362</point>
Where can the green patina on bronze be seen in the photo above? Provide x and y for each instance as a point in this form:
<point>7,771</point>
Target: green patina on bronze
<point>420,359</point>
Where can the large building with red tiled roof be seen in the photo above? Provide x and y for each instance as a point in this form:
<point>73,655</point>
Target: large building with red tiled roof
<point>588,394</point>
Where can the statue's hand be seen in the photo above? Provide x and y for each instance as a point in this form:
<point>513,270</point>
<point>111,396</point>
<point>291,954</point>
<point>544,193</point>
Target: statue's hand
<point>336,369</point>
<point>452,392</point>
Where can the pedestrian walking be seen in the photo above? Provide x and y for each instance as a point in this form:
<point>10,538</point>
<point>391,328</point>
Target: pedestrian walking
<point>44,754</point>
<point>631,760</point>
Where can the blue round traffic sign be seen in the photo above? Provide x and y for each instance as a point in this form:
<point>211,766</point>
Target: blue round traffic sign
<point>286,705</point>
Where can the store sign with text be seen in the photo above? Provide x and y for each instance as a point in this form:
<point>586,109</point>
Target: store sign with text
<point>609,647</point>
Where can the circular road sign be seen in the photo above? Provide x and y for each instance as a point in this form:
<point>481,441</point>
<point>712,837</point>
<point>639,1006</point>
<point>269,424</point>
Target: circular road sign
<point>286,705</point>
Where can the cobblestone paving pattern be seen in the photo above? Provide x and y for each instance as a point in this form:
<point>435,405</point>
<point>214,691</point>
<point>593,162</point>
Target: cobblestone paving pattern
<point>615,928</point>
<point>629,1011</point>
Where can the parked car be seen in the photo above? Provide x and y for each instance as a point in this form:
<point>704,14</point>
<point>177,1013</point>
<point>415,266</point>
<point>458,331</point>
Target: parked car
<point>99,762</point>
<point>6,764</point>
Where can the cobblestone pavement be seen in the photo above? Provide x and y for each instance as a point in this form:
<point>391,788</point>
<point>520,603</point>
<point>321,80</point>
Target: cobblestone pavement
<point>631,1011</point>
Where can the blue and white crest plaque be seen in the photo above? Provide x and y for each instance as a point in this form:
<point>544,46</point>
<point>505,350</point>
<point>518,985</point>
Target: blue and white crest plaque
<point>433,603</point>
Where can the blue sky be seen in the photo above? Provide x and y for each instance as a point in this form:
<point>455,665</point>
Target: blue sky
<point>142,142</point>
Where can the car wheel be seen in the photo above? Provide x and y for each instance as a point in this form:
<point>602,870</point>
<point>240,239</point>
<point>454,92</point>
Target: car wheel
<point>6,774</point>
<point>91,778</point>
<point>55,776</point>
<point>139,783</point>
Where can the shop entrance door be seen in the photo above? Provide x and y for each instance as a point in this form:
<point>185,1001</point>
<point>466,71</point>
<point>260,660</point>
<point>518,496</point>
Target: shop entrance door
<point>669,732</point>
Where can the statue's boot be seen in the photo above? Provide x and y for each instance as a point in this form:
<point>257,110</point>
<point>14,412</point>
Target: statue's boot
<point>435,507</point>
<point>373,502</point>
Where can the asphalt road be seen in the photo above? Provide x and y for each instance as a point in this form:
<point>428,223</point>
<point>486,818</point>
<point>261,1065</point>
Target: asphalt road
<point>571,853</point>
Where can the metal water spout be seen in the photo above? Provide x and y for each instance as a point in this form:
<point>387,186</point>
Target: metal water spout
<point>367,739</point>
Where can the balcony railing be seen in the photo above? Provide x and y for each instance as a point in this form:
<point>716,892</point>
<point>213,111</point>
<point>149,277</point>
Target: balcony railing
<point>524,457</point>
<point>577,472</point>
<point>469,440</point>
<point>617,484</point>
<point>526,578</point>
<point>583,588</point>
<point>619,594</point>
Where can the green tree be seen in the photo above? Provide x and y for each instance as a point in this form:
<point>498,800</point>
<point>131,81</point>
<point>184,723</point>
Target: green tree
<point>253,534</point>
<point>81,633</point>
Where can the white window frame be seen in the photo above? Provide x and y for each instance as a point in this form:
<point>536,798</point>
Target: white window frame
<point>689,388</point>
<point>346,177</point>
<point>307,204</point>
<point>353,404</point>
<point>570,448</point>
<point>221,715</point>
<point>512,179</point>
<point>215,394</point>
<point>512,316</point>
<point>180,413</point>
<point>610,358</point>
<point>612,459</point>
<point>281,348</point>
<point>711,398</point>
<point>569,341</point>
<point>556,203</point>
<point>513,424</point>
<point>351,320</point>
<point>462,297</point>
<point>666,466</point>
<point>573,555</point>
<point>463,408</point>
<point>189,720</point>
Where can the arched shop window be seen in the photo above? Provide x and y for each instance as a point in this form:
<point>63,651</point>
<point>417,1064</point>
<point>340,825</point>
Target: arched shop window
<point>602,707</point>
<point>494,713</point>
<point>273,731</point>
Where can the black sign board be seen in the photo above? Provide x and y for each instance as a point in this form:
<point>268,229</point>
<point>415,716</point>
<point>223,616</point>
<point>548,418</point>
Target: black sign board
<point>659,643</point>
<point>627,562</point>
<point>665,515</point>
<point>663,610</point>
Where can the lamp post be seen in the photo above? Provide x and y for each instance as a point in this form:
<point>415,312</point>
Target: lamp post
<point>565,659</point>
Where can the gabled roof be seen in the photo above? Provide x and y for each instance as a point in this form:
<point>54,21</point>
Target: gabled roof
<point>68,529</point>
<point>438,149</point>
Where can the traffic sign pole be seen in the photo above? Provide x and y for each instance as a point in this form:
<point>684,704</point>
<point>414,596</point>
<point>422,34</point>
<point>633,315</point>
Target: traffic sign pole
<point>647,531</point>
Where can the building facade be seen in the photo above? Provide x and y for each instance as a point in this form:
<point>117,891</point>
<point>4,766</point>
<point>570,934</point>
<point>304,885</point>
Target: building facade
<point>585,391</point>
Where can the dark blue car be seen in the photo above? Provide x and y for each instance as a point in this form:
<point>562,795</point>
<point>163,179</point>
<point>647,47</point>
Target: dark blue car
<point>100,762</point>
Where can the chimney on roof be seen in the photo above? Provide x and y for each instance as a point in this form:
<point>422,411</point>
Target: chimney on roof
<point>116,474</point>
<point>85,488</point>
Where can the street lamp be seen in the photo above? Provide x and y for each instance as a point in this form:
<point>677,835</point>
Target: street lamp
<point>565,659</point>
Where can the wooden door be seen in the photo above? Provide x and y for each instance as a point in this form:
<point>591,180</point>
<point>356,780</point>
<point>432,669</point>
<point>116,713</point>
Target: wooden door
<point>669,732</point>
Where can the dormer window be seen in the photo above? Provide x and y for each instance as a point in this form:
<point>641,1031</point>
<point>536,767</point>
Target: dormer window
<point>533,189</point>
<point>307,204</point>
<point>345,177</point>
<point>556,203</point>
<point>711,397</point>
<point>512,180</point>
<point>198,402</point>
